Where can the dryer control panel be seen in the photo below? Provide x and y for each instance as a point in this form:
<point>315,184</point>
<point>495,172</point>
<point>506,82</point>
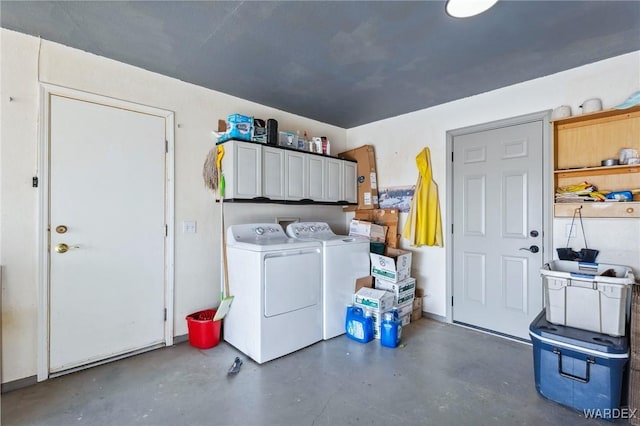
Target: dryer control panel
<point>253,232</point>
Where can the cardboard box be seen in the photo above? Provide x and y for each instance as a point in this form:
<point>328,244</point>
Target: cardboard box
<point>367,177</point>
<point>406,297</point>
<point>385,217</point>
<point>394,265</point>
<point>377,320</point>
<point>371,298</point>
<point>406,319</point>
<point>363,282</point>
<point>373,232</point>
<point>405,309</point>
<point>417,303</point>
<point>404,286</point>
<point>419,293</point>
<point>416,314</point>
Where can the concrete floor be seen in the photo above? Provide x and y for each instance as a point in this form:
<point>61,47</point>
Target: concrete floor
<point>444,375</point>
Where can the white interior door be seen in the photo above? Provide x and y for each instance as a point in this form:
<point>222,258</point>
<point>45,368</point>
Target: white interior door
<point>107,187</point>
<point>497,227</point>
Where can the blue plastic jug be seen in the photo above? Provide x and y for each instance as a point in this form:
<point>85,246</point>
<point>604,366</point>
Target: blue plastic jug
<point>358,326</point>
<point>390,330</point>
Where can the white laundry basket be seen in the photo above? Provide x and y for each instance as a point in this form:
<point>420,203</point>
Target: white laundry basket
<point>576,295</point>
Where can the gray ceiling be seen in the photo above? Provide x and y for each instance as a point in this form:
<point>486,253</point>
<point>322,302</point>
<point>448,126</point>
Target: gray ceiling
<point>343,63</point>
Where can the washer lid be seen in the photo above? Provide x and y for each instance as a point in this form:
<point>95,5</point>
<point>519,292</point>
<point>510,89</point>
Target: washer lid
<point>263,237</point>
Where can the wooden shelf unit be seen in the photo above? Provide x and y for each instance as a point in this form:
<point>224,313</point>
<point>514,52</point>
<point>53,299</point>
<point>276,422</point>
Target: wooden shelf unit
<point>581,142</point>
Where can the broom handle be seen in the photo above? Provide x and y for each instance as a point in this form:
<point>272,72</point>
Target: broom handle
<point>224,250</point>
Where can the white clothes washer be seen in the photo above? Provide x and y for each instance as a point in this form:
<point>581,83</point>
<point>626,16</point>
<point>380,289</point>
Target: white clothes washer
<point>345,259</point>
<point>276,284</point>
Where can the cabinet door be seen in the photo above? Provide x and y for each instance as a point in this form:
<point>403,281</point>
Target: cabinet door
<point>296,175</point>
<point>242,168</point>
<point>315,181</point>
<point>273,174</point>
<point>350,181</point>
<point>334,179</point>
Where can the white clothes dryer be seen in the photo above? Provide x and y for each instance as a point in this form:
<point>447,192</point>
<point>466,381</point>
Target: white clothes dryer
<point>344,260</point>
<point>276,285</point>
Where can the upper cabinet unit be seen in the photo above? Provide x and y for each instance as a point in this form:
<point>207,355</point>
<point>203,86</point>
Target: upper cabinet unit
<point>242,167</point>
<point>581,143</point>
<point>267,173</point>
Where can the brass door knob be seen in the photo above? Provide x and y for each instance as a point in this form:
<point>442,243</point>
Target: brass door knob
<point>63,248</point>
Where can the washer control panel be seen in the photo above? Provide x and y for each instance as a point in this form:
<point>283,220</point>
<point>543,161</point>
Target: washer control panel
<point>309,230</point>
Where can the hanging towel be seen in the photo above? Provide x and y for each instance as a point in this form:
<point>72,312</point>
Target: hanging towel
<point>424,226</point>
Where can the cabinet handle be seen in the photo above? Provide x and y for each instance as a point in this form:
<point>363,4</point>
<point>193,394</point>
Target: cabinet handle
<point>629,210</point>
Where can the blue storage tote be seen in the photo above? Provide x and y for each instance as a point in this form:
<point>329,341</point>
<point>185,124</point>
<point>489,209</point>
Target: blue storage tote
<point>580,369</point>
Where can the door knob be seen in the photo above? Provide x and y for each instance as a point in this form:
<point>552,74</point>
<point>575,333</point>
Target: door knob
<point>532,249</point>
<point>63,248</point>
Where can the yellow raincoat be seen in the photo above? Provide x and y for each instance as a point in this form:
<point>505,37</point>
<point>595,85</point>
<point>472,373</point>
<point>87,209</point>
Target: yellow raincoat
<point>424,225</point>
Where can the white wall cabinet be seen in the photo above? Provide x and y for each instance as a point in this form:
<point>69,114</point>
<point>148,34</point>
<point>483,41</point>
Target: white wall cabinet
<point>296,185</point>
<point>334,180</point>
<point>273,173</point>
<point>256,171</point>
<point>242,168</point>
<point>316,182</point>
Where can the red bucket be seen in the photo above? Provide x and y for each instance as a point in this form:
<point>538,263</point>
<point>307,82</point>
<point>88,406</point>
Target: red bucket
<point>204,332</point>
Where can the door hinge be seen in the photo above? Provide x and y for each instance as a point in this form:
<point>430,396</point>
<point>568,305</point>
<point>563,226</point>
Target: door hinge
<point>166,146</point>
<point>166,230</point>
<point>34,181</point>
<point>452,156</point>
<point>451,300</point>
<point>165,314</point>
<point>452,228</point>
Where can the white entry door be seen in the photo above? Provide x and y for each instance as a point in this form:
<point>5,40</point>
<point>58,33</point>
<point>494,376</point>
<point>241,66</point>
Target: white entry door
<point>107,204</point>
<point>497,227</point>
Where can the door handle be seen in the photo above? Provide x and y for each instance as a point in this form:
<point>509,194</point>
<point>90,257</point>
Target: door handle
<point>532,249</point>
<point>63,248</point>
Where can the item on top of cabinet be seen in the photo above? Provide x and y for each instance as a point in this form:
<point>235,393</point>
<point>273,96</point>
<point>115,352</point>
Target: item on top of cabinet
<point>288,139</point>
<point>259,131</point>
<point>591,105</point>
<point>238,127</point>
<point>272,132</point>
<point>563,111</point>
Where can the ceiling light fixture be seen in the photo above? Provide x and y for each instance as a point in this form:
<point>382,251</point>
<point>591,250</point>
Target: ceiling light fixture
<point>467,8</point>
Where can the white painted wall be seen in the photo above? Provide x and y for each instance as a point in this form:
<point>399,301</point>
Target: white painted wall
<point>197,257</point>
<point>398,140</point>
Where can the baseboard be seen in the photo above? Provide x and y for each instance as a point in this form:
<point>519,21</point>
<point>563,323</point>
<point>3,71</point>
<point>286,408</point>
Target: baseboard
<point>434,316</point>
<point>19,384</point>
<point>180,339</point>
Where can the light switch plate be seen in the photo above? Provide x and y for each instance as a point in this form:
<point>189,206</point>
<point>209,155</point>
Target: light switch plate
<point>189,227</point>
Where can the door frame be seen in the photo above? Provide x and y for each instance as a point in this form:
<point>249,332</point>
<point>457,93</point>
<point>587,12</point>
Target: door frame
<point>42,234</point>
<point>547,188</point>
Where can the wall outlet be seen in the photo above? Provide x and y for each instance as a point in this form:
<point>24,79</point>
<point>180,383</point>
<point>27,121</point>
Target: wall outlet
<point>189,227</point>
<point>568,229</point>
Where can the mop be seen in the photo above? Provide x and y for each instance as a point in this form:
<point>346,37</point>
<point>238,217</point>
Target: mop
<point>214,180</point>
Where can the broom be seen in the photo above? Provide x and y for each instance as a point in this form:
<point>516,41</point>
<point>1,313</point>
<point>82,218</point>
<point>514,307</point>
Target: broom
<point>214,180</point>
